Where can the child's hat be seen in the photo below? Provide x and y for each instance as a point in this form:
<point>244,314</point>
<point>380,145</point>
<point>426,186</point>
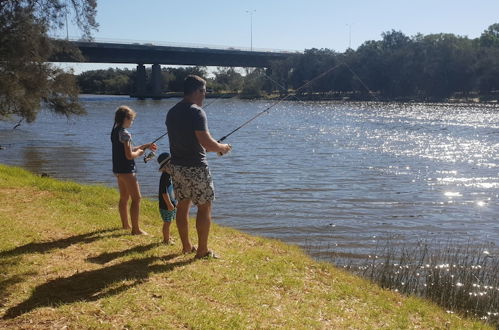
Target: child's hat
<point>163,159</point>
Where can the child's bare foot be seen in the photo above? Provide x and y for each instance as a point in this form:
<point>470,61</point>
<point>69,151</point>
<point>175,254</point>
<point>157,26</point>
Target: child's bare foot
<point>191,250</point>
<point>139,232</point>
<point>126,227</point>
<point>169,242</point>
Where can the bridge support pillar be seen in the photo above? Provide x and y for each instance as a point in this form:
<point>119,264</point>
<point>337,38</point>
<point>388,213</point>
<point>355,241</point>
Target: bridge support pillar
<point>268,87</point>
<point>156,80</point>
<point>140,88</point>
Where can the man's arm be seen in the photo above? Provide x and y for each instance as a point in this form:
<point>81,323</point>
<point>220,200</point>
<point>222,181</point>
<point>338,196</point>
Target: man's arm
<point>210,144</point>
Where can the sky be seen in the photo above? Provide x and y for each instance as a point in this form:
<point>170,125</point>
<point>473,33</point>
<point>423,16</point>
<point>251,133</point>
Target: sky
<point>281,25</point>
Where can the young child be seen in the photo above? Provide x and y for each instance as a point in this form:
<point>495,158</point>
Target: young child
<point>124,167</point>
<point>166,197</point>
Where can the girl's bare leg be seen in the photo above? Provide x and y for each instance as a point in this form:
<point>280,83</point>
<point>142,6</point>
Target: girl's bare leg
<point>123,203</point>
<point>132,185</point>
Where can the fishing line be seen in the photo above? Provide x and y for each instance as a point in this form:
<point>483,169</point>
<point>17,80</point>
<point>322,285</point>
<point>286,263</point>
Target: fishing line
<point>267,110</point>
<point>280,86</point>
<point>361,81</point>
<point>279,101</point>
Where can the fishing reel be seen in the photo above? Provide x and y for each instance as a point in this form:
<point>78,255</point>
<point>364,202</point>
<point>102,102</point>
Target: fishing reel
<point>221,154</point>
<point>149,156</point>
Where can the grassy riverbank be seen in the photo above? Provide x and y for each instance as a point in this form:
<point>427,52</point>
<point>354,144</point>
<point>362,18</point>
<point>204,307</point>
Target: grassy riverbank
<point>64,262</point>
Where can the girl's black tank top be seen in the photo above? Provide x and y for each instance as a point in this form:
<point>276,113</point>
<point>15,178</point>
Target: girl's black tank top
<point>120,163</point>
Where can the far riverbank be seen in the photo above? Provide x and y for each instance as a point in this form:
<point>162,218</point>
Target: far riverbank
<point>492,99</point>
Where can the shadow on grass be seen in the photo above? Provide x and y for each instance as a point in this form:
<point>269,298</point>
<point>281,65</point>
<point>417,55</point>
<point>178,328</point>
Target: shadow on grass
<point>12,258</point>
<point>10,281</point>
<point>42,247</point>
<point>95,284</point>
<point>108,256</point>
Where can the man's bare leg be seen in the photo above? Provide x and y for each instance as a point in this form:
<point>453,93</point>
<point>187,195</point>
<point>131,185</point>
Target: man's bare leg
<point>203,223</point>
<point>182,222</point>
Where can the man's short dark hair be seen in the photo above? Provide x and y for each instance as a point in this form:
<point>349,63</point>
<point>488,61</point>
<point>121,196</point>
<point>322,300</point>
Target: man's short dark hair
<point>192,83</point>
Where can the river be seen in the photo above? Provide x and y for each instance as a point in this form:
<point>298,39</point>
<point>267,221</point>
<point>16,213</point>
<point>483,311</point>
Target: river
<point>334,178</point>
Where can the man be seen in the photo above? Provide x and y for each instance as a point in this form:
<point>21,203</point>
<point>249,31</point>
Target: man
<point>189,141</point>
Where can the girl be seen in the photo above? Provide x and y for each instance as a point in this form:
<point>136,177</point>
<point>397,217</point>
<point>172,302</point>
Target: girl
<point>124,167</point>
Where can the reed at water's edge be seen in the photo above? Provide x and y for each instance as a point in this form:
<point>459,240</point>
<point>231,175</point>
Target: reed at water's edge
<point>461,278</point>
<point>64,263</point>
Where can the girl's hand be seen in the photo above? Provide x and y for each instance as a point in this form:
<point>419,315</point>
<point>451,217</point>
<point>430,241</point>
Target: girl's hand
<point>170,207</point>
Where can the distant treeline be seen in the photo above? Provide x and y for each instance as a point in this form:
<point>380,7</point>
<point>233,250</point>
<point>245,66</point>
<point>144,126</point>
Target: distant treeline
<point>122,81</point>
<point>397,67</point>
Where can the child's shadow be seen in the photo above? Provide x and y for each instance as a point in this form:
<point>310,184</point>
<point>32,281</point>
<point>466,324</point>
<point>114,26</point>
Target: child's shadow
<point>42,247</point>
<point>91,285</point>
<point>105,257</point>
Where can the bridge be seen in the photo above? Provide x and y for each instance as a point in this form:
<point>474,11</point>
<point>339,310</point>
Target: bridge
<point>157,55</point>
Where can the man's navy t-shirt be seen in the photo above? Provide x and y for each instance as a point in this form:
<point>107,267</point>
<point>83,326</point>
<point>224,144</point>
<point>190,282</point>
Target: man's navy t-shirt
<point>181,122</point>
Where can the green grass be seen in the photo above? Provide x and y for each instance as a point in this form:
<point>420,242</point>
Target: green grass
<point>65,262</point>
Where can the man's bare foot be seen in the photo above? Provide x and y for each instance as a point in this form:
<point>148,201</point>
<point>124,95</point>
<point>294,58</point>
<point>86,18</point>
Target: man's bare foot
<point>139,232</point>
<point>207,255</point>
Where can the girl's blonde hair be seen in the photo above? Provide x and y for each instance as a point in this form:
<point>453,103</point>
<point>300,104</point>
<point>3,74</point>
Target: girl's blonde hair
<point>122,113</point>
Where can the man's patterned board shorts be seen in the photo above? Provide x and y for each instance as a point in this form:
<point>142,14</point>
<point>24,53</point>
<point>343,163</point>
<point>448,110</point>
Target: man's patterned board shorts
<point>194,183</point>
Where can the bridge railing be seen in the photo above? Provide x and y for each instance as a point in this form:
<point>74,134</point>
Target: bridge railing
<point>178,44</point>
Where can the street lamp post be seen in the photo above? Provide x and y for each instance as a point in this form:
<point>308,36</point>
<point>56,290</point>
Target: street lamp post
<point>349,36</point>
<point>67,27</point>
<point>251,27</point>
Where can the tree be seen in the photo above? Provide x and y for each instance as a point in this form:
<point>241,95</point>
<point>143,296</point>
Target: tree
<point>370,64</point>
<point>490,37</point>
<point>447,65</point>
<point>253,83</point>
<point>110,81</point>
<point>228,79</point>
<point>176,84</point>
<point>487,68</point>
<point>398,62</point>
<point>309,66</point>
<point>281,73</point>
<point>26,77</point>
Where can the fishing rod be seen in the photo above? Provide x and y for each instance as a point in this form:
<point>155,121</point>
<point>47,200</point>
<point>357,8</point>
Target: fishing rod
<point>152,154</point>
<point>267,110</point>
